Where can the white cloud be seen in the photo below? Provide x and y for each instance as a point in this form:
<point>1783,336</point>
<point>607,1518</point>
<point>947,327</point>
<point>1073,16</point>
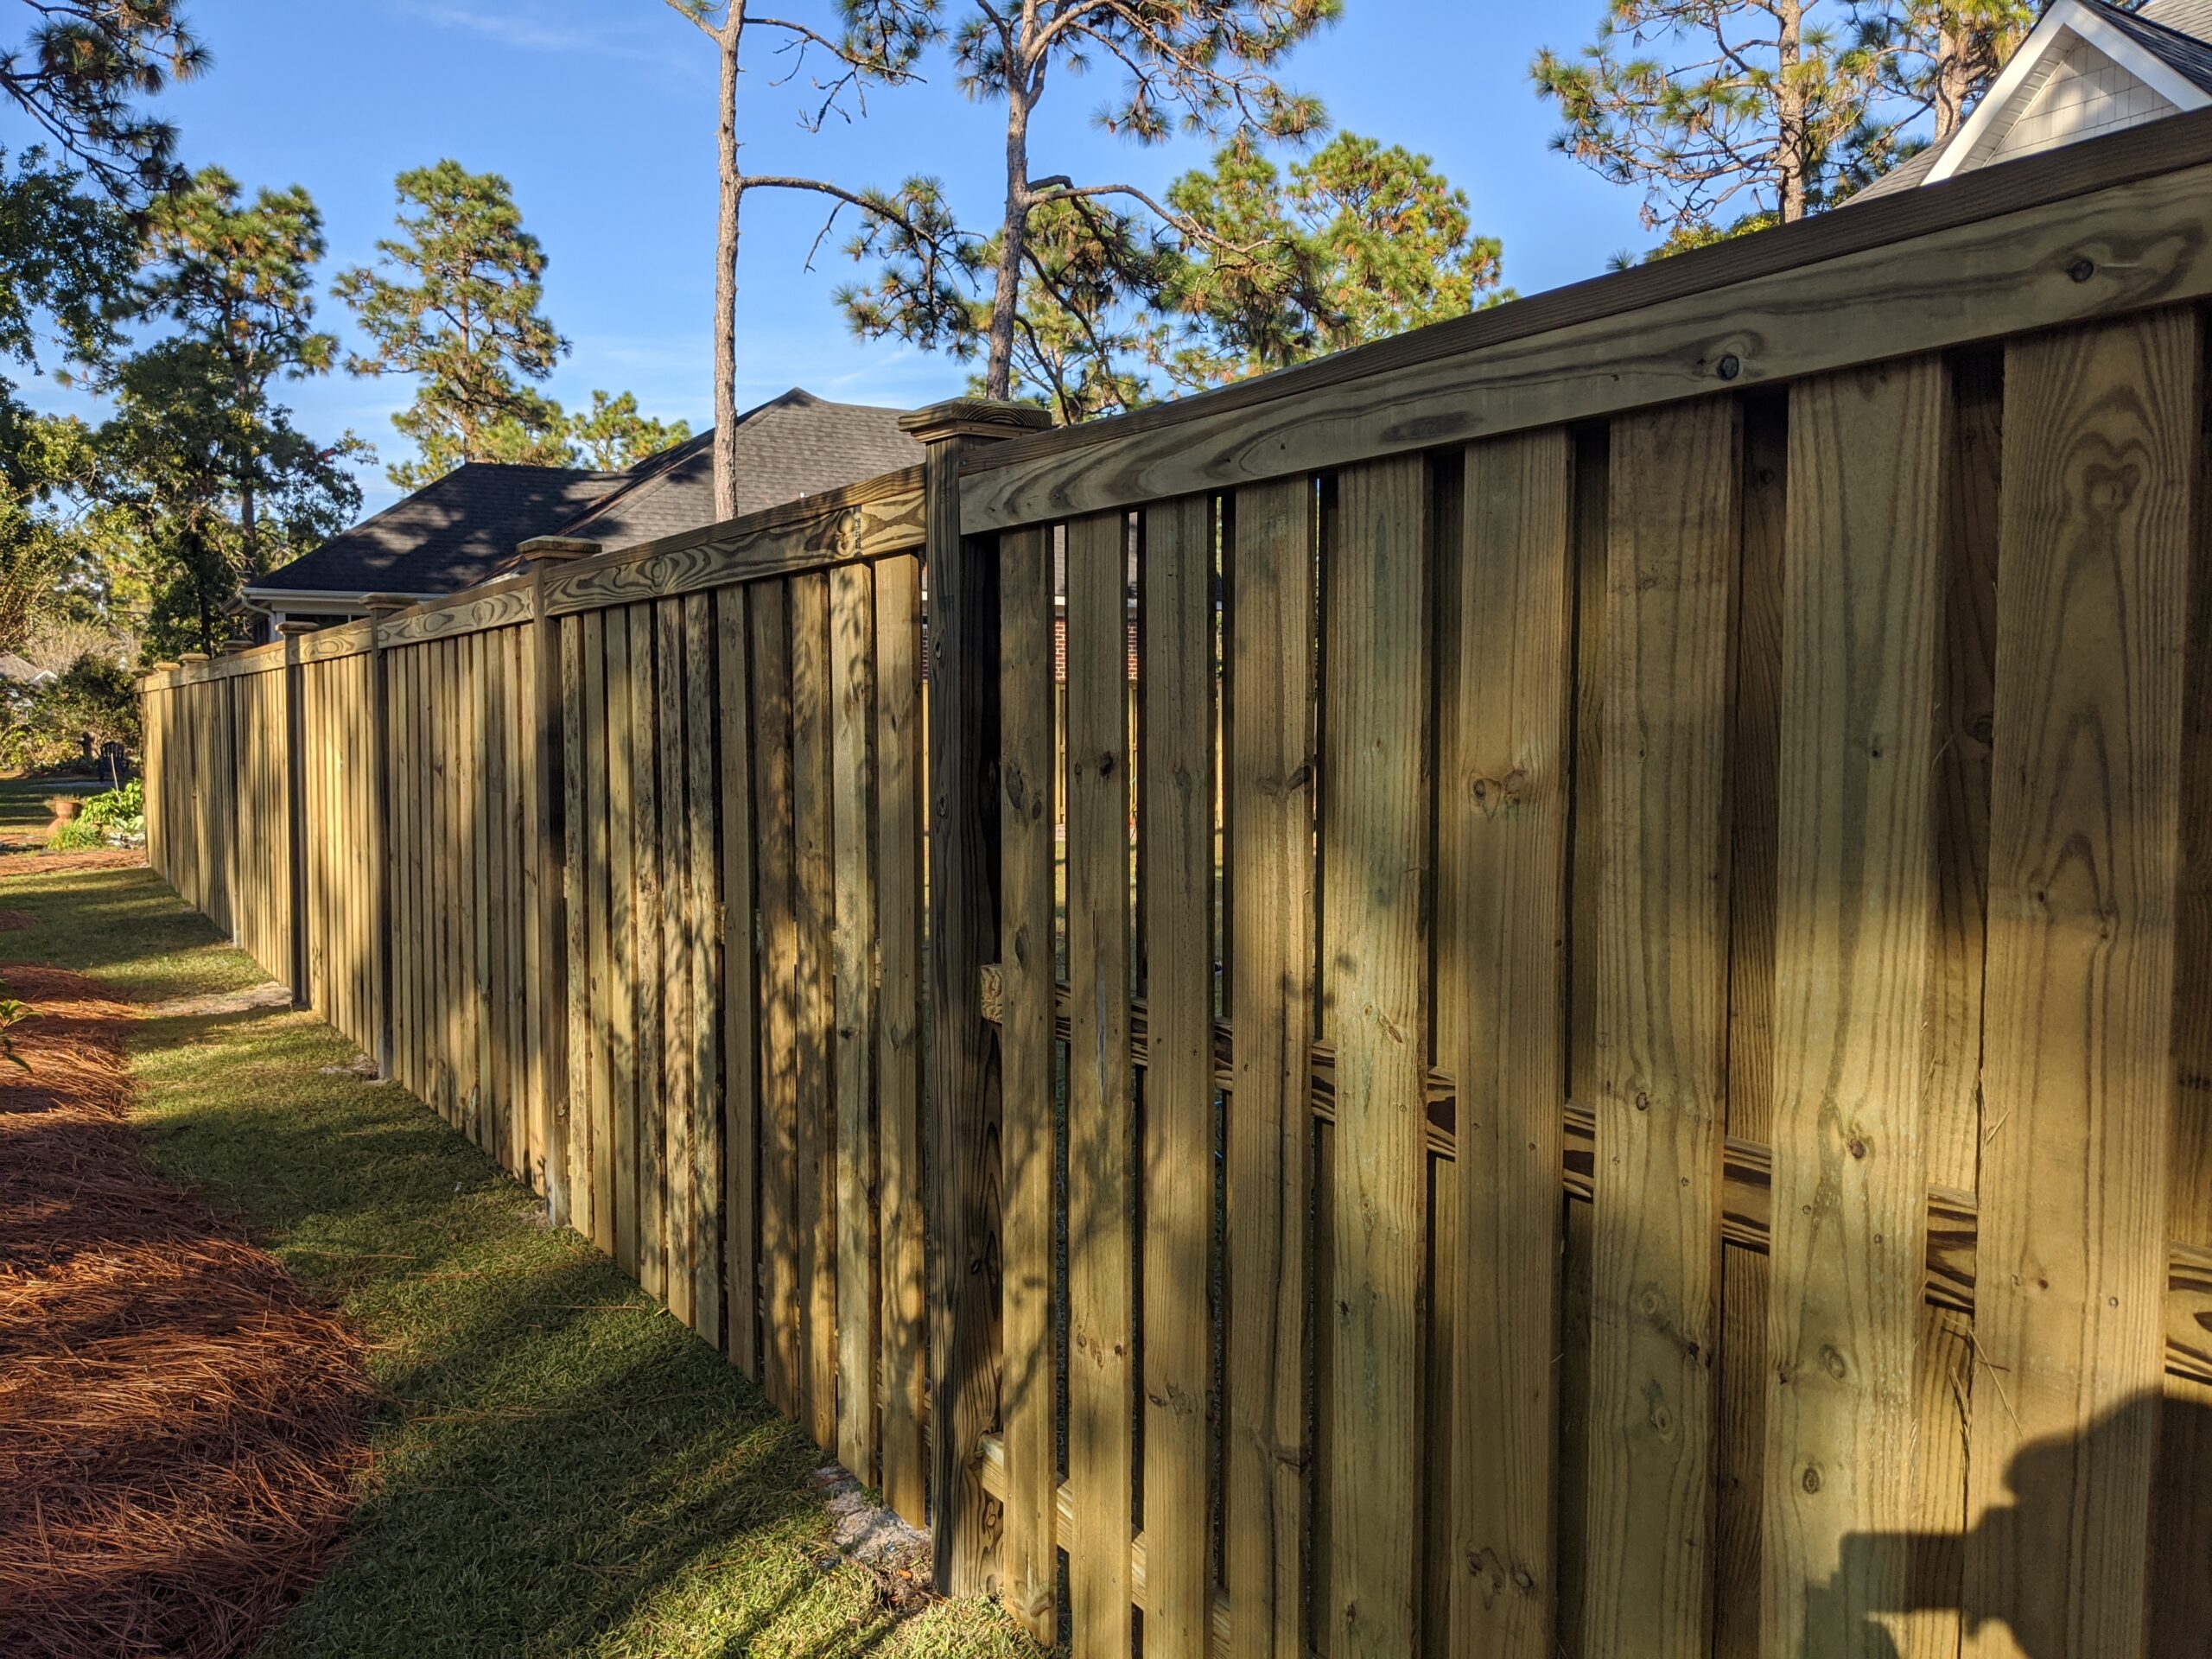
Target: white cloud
<point>537,34</point>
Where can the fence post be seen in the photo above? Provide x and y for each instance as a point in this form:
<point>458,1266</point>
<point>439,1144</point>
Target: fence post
<point>295,801</point>
<point>961,623</point>
<point>547,553</point>
<point>379,605</point>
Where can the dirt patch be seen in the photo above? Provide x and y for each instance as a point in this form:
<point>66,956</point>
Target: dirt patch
<point>14,921</point>
<point>263,997</point>
<point>182,1431</point>
<point>22,863</point>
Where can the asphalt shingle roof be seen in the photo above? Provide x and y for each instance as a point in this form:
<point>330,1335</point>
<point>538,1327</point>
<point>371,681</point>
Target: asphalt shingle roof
<point>464,528</point>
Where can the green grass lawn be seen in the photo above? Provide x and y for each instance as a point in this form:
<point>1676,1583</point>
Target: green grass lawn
<point>561,1468</point>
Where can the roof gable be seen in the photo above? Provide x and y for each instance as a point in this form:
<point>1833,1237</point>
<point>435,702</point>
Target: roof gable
<point>2086,67</point>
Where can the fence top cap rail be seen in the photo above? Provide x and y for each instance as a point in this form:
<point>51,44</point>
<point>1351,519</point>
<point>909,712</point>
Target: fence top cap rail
<point>554,548</point>
<point>973,417</point>
<point>2171,145</point>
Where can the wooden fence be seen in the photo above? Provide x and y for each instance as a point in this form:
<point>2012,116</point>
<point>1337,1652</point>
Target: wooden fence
<point>1609,1058</point>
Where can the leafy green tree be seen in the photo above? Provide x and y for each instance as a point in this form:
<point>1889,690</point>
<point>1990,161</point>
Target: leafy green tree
<point>454,303</point>
<point>1364,241</point>
<point>47,466</point>
<point>1934,59</point>
<point>612,435</point>
<point>1192,66</point>
<point>1716,109</point>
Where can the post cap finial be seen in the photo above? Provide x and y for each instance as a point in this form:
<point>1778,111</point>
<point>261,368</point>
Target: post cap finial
<point>973,417</point>
<point>555,550</point>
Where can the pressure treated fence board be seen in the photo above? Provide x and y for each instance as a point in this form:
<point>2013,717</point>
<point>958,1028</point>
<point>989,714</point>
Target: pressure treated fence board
<point>1662,1029</point>
<point>782,1376</point>
<point>1374,831</point>
<point>813,883</point>
<point>602,971</point>
<point>741,986</point>
<point>1028,1387</point>
<point>899,1210</point>
<point>1925,270</point>
<point>1270,759</point>
<point>1101,1138</point>
<point>1863,564</point>
<point>853,942</point>
<point>2100,434</point>
<point>672,851</point>
<point>648,972</point>
<point>1504,791</point>
<point>1176,1159</point>
<point>705,916</point>
<point>622,1004</point>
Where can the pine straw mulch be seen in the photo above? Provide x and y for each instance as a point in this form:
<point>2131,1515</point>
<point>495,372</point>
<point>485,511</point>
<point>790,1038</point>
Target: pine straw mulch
<point>182,1431</point>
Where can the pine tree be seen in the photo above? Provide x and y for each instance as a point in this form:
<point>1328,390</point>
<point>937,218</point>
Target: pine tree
<point>454,303</point>
<point>1364,241</point>
<point>79,76</point>
<point>1195,65</point>
<point>612,435</point>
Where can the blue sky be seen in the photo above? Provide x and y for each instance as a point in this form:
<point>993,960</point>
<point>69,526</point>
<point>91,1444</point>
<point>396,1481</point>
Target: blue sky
<point>601,113</point>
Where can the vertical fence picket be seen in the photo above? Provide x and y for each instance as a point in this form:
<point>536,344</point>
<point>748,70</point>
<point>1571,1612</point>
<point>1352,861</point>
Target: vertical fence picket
<point>813,885</point>
<point>1101,1117</point>
<point>741,991</point>
<point>1271,761</point>
<point>704,893</point>
<point>672,848</point>
<point>1029,1384</point>
<point>906,1316</point>
<point>781,1373</point>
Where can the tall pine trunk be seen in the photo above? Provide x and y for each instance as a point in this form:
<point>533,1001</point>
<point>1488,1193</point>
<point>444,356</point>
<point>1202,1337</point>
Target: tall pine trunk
<point>1014,238</point>
<point>1791,154</point>
<point>726,244</point>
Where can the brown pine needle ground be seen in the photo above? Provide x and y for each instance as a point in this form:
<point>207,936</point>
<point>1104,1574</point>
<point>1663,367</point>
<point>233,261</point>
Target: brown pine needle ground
<point>183,1430</point>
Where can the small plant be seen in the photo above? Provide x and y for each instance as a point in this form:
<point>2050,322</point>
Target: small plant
<point>12,1011</point>
<point>116,816</point>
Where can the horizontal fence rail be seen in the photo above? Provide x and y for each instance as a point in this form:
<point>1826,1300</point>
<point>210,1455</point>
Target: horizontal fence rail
<point>1540,989</point>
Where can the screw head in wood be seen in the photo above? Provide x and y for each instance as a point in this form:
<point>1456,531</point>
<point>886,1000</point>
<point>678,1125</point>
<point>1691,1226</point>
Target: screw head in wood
<point>2081,270</point>
<point>1730,366</point>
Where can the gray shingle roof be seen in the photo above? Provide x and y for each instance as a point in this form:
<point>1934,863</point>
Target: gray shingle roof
<point>464,528</point>
<point>2178,32</point>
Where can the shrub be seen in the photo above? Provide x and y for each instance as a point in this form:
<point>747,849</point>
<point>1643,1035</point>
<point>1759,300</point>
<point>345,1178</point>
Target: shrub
<point>115,815</point>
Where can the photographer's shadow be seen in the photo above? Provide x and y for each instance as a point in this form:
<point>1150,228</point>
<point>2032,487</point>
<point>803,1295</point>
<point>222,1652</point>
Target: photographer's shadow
<point>2023,1565</point>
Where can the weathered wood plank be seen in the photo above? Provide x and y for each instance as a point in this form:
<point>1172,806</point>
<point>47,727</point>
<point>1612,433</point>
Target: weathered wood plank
<point>1178,791</point>
<point>1862,570</point>
<point>672,849</point>
<point>1662,1014</point>
<point>1270,759</point>
<point>623,746</point>
<point>645,921</point>
<point>853,944</point>
<point>814,885</point>
<point>1373,837</point>
<point>581,901</point>
<point>602,969</point>
<point>1028,1383</point>
<point>2101,457</point>
<point>782,1376</point>
<point>705,896</point>
<point>1101,1139</point>
<point>741,988</point>
<point>1504,791</point>
<point>905,1319</point>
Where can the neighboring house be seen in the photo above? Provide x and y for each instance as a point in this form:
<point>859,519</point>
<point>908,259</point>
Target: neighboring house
<point>2088,68</point>
<point>463,528</point>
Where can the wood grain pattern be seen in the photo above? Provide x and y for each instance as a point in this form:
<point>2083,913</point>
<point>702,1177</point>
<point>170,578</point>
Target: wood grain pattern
<point>1663,939</point>
<point>679,1090</point>
<point>814,881</point>
<point>900,1212</point>
<point>705,904</point>
<point>852,945</point>
<point>1101,1127</point>
<point>606,1040</point>
<point>646,918</point>
<point>1504,791</point>
<point>2101,435</point>
<point>1374,836</point>
<point>578,904</point>
<point>1177,789</point>
<point>781,1375</point>
<point>1921,271</point>
<point>741,987</point>
<point>1271,761</point>
<point>1864,558</point>
<point>624,744</point>
<point>1029,1383</point>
